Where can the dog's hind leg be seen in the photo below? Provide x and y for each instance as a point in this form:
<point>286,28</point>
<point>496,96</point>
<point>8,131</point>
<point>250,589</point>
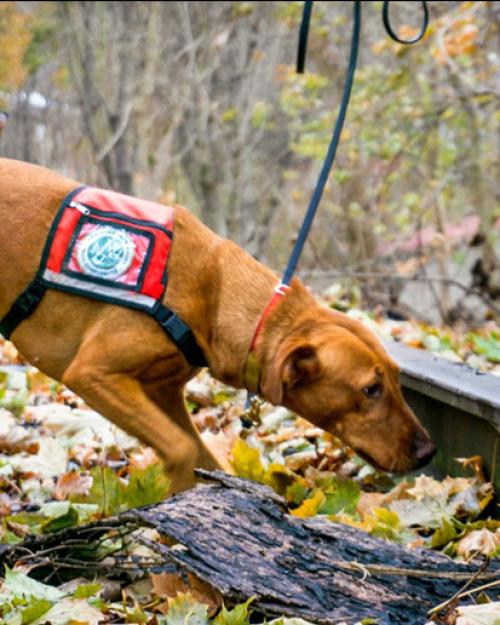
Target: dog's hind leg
<point>171,401</point>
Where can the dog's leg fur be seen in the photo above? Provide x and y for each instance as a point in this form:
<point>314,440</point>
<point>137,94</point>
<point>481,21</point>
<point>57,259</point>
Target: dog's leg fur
<point>123,401</point>
<point>116,387</point>
<point>171,401</point>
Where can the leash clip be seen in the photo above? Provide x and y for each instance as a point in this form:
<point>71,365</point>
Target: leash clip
<point>281,288</point>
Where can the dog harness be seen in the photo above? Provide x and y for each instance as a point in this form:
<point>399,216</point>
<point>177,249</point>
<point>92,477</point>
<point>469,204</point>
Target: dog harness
<point>113,248</point>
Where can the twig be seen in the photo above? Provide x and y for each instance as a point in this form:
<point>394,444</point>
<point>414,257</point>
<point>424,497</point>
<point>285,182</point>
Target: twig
<point>460,593</point>
<point>116,136</point>
<point>394,570</point>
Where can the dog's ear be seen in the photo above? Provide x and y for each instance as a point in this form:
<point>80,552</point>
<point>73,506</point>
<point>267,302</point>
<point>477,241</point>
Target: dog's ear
<point>298,365</point>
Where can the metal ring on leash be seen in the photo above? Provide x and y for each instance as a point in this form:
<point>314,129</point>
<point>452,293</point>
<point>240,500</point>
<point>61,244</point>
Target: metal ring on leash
<point>388,27</point>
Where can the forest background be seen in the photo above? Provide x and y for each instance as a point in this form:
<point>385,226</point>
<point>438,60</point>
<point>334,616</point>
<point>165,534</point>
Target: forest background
<point>199,103</point>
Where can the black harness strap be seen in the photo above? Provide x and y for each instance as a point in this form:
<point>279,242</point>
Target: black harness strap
<point>180,334</point>
<point>177,330</point>
<point>23,306</point>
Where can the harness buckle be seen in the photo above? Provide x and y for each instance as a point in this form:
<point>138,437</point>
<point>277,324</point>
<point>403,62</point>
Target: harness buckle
<point>178,331</point>
<point>162,315</point>
<point>180,334</point>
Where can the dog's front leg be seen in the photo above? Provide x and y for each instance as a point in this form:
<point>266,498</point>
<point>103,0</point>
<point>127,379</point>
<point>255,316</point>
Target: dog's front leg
<point>171,401</point>
<point>121,398</point>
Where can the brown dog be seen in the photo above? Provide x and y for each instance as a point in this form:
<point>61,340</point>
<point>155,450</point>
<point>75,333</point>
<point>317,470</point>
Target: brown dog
<point>319,363</point>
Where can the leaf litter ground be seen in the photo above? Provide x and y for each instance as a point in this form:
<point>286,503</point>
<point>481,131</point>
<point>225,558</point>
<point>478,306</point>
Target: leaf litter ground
<point>62,464</point>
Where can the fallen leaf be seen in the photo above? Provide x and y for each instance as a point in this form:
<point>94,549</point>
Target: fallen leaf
<point>169,585</point>
<point>69,611</point>
<point>207,418</point>
<point>34,609</point>
<point>85,456</point>
<point>14,438</point>
<point>19,584</point>
<point>72,483</point>
<point>239,615</point>
<point>199,393</point>
<point>143,458</point>
<point>478,542</point>
<point>19,529</point>
<point>51,460</point>
<point>5,504</point>
<point>486,614</point>
<point>38,382</point>
<point>368,501</point>
<point>146,486</point>
<point>310,507</point>
<point>186,610</point>
<point>246,461</point>
<point>476,464</point>
<point>221,446</point>
<point>427,487</point>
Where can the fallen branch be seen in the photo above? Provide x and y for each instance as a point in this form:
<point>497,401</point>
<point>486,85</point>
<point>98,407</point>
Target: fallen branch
<point>237,536</point>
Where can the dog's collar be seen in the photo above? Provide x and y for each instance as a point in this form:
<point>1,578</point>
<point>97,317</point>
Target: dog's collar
<point>252,371</point>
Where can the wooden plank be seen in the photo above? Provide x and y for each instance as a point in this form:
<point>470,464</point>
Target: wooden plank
<point>455,384</point>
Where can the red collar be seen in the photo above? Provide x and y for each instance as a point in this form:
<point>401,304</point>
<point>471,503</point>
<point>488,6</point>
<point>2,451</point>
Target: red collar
<point>253,366</point>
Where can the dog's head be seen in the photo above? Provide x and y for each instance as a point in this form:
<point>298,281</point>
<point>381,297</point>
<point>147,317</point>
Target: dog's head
<point>335,373</point>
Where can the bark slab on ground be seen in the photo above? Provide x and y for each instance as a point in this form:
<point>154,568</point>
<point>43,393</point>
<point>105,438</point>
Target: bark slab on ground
<point>237,536</point>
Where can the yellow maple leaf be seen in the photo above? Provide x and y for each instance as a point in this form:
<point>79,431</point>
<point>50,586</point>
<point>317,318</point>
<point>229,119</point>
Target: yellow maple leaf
<point>310,506</point>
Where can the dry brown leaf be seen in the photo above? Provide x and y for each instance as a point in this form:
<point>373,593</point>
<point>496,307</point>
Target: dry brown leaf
<point>199,393</point>
<point>428,487</point>
<point>290,433</point>
<point>14,438</point>
<point>482,542</point>
<point>143,458</point>
<point>207,418</point>
<point>400,491</point>
<point>5,504</point>
<point>221,446</point>
<point>72,483</point>
<point>168,585</point>
<point>84,455</point>
<point>476,464</point>
<point>15,447</point>
<point>19,529</point>
<point>368,501</point>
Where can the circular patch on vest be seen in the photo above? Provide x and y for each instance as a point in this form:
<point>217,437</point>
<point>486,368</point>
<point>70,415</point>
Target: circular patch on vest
<point>105,252</point>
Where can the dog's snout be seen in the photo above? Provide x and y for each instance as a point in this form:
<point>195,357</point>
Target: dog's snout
<point>424,449</point>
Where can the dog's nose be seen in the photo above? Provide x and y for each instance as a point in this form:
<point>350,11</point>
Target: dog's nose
<point>424,450</point>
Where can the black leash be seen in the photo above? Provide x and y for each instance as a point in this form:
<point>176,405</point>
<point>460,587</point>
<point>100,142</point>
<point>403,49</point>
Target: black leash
<point>332,148</point>
<point>329,158</point>
<point>339,124</point>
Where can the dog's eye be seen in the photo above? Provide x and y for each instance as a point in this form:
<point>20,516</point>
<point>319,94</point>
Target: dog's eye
<point>373,391</point>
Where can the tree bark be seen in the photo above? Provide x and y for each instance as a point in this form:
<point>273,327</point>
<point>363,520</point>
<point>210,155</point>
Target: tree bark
<point>238,537</point>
